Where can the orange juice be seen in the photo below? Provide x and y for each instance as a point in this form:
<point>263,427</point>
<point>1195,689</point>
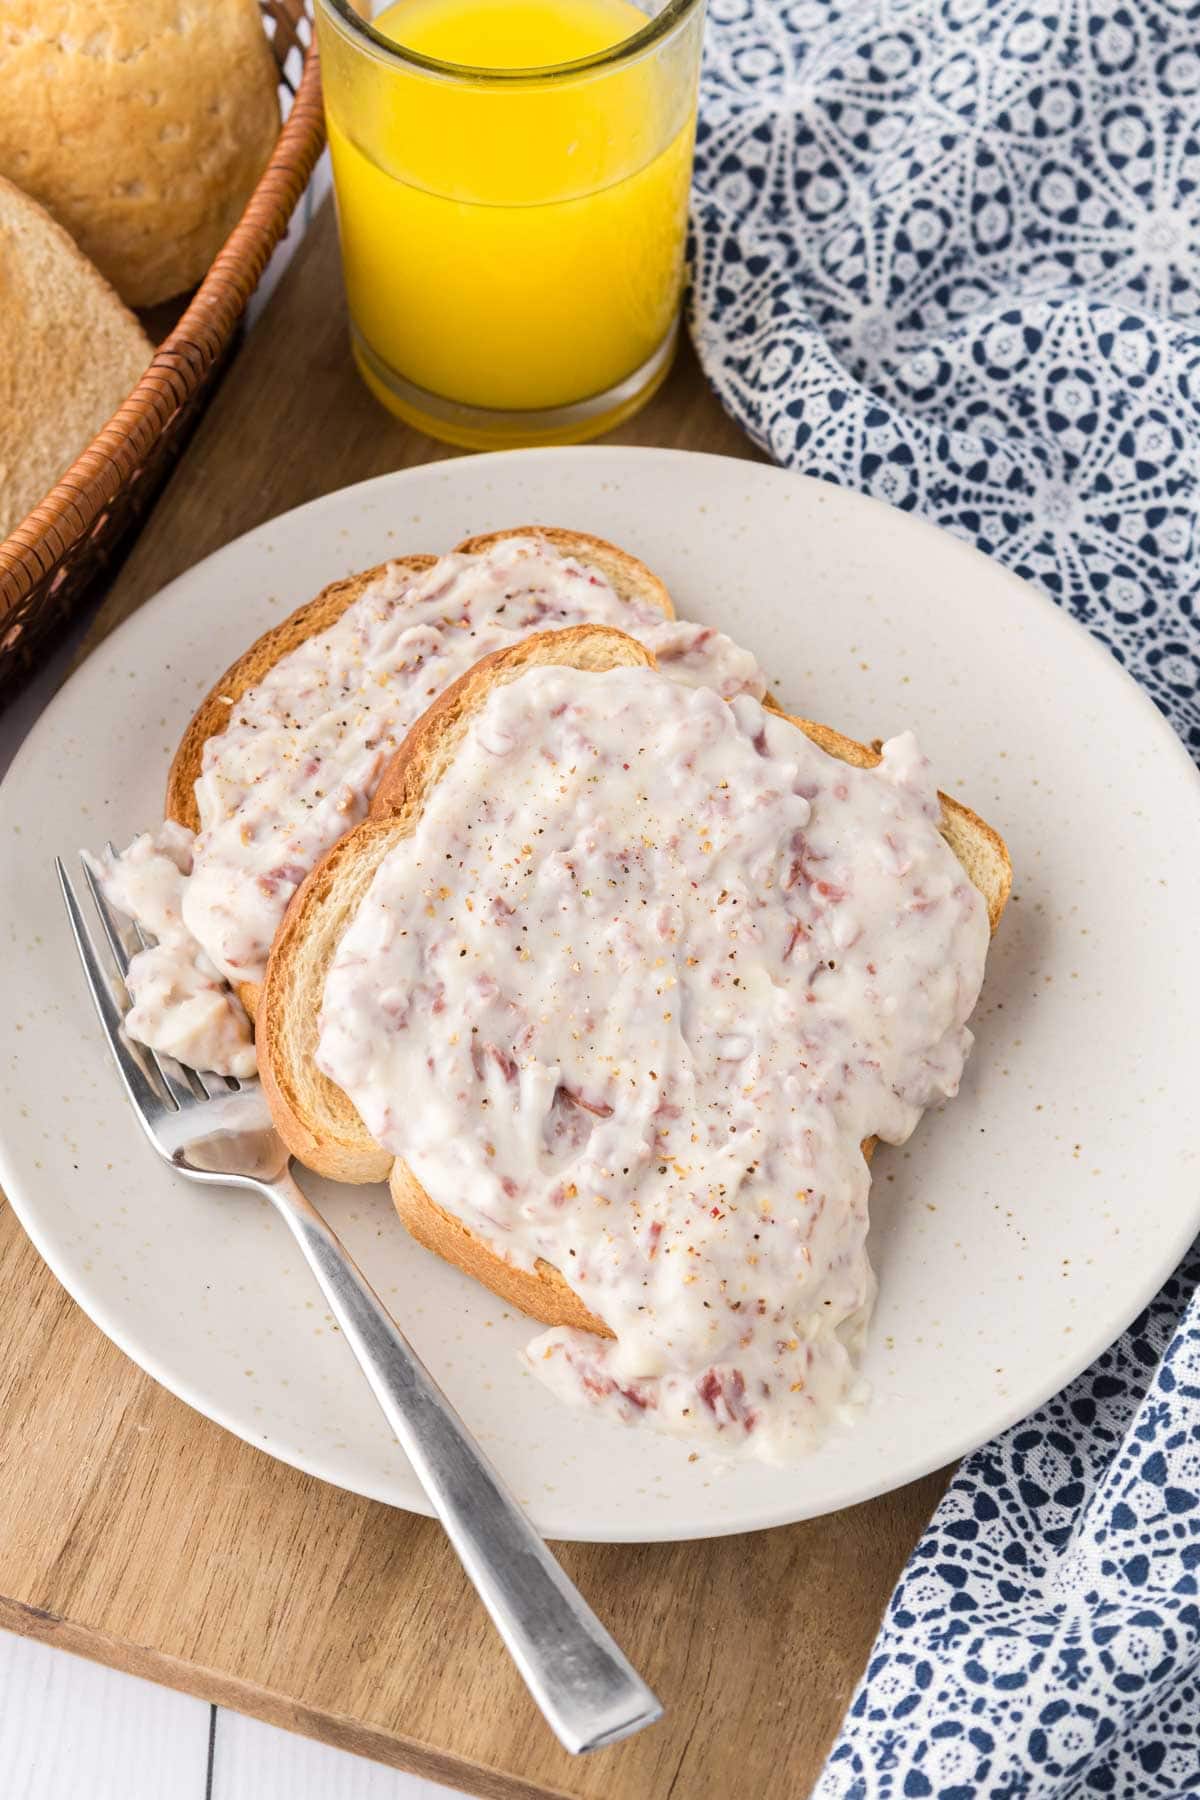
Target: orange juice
<point>513,247</point>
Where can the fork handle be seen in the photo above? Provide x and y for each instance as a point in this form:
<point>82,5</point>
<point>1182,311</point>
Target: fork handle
<point>588,1691</point>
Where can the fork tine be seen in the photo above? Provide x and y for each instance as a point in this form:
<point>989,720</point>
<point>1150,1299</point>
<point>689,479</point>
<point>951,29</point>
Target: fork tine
<point>202,1082</point>
<point>214,1084</point>
<point>182,1083</point>
<point>143,941</point>
<point>186,1084</point>
<point>107,917</point>
<point>147,1101</point>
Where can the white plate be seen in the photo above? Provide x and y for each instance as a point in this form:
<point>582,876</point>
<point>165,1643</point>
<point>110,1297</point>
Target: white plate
<point>1017,1233</point>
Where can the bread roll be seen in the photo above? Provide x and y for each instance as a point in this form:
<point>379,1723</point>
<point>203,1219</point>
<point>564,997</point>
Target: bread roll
<point>141,125</point>
<point>69,353</point>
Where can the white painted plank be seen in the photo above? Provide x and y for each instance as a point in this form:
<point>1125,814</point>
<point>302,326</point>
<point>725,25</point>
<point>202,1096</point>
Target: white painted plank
<point>253,1761</point>
<point>70,1727</point>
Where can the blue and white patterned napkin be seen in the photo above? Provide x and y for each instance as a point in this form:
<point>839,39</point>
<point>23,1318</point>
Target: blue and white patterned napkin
<point>948,252</point>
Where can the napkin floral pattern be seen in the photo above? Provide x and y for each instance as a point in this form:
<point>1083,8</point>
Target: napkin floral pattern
<point>1045,1636</point>
<point>948,252</point>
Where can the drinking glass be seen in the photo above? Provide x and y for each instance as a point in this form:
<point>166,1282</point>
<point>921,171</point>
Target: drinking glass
<point>513,239</point>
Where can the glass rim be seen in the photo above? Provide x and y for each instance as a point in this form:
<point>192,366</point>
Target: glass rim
<point>626,50</point>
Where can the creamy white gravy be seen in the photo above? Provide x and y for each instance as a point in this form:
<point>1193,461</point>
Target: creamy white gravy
<point>649,971</point>
<point>302,753</point>
<point>181,1004</point>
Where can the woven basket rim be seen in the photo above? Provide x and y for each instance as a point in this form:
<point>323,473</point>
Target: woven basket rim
<point>79,500</point>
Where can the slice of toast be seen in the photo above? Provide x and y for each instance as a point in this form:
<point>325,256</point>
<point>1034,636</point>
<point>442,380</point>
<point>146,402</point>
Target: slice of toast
<point>630,579</point>
<point>70,352</point>
<point>317,1120</point>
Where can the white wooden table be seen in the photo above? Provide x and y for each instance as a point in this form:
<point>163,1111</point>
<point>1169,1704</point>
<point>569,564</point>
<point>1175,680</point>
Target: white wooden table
<point>72,1730</point>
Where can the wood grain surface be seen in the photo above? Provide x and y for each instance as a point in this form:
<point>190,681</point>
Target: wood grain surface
<point>135,1532</point>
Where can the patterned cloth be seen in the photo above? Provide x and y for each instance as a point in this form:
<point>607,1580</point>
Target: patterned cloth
<point>948,252</point>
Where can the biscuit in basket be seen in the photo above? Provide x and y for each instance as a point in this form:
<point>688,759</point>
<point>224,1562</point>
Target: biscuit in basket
<point>141,125</point>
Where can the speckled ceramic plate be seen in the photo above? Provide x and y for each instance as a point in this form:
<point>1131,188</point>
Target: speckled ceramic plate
<point>1015,1235</point>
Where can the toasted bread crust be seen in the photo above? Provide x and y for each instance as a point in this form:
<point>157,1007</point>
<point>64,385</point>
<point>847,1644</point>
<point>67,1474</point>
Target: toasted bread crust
<point>214,711</point>
<point>316,1120</point>
<point>288,1025</point>
<point>630,579</point>
<point>629,576</point>
<point>541,1291</point>
<point>978,846</point>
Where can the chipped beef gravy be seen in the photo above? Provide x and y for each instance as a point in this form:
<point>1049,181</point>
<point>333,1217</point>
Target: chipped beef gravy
<point>649,972</point>
<point>297,764</point>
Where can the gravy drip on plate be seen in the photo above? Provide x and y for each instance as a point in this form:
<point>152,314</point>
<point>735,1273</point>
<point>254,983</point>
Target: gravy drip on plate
<point>298,762</point>
<point>649,971</point>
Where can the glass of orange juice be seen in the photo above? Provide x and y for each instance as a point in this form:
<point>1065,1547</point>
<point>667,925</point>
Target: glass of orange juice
<point>512,181</point>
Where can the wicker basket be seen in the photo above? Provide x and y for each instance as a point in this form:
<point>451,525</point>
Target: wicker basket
<point>53,558</point>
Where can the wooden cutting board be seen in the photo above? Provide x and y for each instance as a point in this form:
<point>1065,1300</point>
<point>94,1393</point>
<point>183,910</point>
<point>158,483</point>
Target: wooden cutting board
<point>135,1532</point>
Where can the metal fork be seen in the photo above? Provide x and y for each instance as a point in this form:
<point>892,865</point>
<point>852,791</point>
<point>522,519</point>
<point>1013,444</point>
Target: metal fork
<point>217,1130</point>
